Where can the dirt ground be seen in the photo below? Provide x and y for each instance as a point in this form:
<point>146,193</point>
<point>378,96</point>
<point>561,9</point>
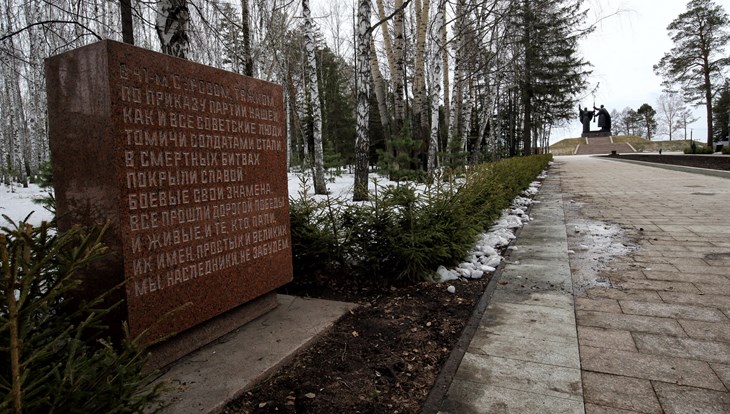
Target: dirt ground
<point>383,357</point>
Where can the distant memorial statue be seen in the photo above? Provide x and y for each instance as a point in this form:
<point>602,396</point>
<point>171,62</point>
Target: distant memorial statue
<point>585,117</point>
<point>604,119</point>
<point>601,115</point>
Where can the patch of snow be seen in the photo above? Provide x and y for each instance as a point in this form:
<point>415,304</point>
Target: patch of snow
<point>499,235</point>
<point>16,202</point>
<point>446,274</point>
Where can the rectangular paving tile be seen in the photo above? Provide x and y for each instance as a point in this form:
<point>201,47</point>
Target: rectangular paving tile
<point>670,310</point>
<point>634,323</point>
<point>717,270</point>
<point>657,265</point>
<point>651,367</point>
<point>600,409</point>
<point>630,294</point>
<point>606,338</point>
<point>685,262</point>
<point>709,351</point>
<point>530,321</point>
<point>597,304</point>
<point>676,399</point>
<point>620,392</point>
<point>526,349</point>
<point>658,285</point>
<point>719,301</point>
<point>465,397</point>
<point>687,277</point>
<point>542,379</point>
<point>713,331</point>
<point>563,300</point>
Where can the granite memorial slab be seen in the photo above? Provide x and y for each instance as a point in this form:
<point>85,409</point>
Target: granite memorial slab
<point>187,166</point>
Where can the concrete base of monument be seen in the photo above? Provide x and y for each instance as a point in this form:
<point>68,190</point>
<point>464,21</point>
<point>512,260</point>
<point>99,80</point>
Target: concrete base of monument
<point>188,341</point>
<point>205,380</point>
<point>595,134</point>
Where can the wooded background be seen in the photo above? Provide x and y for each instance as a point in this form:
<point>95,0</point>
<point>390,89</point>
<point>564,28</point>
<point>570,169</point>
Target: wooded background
<point>409,85</point>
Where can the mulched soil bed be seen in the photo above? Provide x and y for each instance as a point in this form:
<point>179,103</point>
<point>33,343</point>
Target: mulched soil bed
<point>382,357</point>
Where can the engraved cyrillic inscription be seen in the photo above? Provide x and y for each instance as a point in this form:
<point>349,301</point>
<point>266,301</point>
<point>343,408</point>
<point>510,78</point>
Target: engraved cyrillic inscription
<point>191,148</point>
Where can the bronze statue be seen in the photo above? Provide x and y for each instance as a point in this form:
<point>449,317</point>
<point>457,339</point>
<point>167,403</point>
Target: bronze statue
<point>585,117</point>
<point>604,118</point>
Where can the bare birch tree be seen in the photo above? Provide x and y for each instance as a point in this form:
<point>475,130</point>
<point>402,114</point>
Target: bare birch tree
<point>669,108</point>
<point>362,139</point>
<point>319,184</point>
<point>438,45</point>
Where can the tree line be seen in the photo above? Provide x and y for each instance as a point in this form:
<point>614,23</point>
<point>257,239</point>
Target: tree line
<point>407,85</point>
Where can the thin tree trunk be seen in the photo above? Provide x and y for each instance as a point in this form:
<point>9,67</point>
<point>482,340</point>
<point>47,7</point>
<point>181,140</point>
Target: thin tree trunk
<point>527,87</point>
<point>17,120</point>
<point>398,75</point>
<point>362,140</point>
<point>708,97</point>
<point>246,33</point>
<point>421,125</point>
<point>445,70</point>
<point>380,95</point>
<point>386,37</point>
<point>125,8</point>
<point>435,89</point>
<point>320,187</point>
<point>457,96</point>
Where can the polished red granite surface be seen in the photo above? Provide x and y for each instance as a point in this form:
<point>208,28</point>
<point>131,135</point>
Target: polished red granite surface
<point>187,164</point>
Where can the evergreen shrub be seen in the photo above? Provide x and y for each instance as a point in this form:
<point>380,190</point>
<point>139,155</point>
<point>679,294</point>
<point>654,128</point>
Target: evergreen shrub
<point>401,235</point>
<point>54,357</point>
<point>699,150</point>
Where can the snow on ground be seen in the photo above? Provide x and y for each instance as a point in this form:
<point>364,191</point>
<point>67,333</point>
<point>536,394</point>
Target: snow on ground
<point>484,257</point>
<point>17,203</point>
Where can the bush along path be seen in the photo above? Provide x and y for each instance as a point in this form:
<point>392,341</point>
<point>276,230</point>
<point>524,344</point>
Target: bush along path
<point>385,356</point>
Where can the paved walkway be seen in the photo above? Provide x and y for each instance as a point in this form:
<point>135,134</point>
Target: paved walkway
<point>616,299</point>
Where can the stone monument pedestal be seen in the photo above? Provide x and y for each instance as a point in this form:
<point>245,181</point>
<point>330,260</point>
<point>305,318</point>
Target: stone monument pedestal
<point>596,134</point>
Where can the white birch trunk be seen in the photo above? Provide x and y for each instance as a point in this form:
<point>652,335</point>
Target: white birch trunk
<point>419,82</point>
<point>467,105</point>
<point>435,88</point>
<point>171,25</point>
<point>362,139</point>
<point>445,69</point>
<point>319,184</point>
<point>399,40</point>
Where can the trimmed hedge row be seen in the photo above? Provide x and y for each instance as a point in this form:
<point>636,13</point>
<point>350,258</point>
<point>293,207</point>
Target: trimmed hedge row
<point>403,236</point>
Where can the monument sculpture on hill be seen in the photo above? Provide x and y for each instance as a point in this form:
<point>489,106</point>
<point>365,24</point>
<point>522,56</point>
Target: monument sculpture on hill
<point>601,115</point>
